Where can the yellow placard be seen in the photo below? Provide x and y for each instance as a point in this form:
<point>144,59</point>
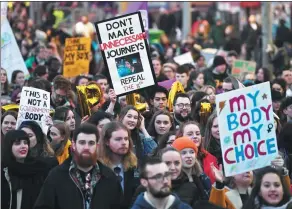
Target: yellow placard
<point>76,57</point>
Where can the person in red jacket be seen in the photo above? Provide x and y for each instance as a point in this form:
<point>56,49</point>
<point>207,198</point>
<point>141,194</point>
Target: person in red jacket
<point>191,129</point>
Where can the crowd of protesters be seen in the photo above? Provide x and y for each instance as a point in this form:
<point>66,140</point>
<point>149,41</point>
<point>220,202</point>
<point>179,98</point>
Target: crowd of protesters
<point>122,156</point>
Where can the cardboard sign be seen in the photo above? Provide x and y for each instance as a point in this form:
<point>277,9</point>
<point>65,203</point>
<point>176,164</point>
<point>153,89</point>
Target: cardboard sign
<point>241,66</point>
<point>11,58</point>
<point>125,52</point>
<point>76,57</point>
<point>247,131</point>
<point>185,58</point>
<point>34,105</point>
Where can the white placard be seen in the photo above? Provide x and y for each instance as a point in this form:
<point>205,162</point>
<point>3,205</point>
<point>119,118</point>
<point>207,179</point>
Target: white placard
<point>125,52</point>
<point>35,106</point>
<point>247,130</point>
<point>11,58</point>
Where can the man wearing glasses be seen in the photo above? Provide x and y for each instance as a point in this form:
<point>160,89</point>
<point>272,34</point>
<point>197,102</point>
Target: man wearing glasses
<point>156,178</point>
<point>60,90</point>
<point>181,108</point>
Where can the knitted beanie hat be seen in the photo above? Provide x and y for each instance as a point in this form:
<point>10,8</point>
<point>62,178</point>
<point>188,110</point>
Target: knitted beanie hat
<point>219,60</point>
<point>184,142</point>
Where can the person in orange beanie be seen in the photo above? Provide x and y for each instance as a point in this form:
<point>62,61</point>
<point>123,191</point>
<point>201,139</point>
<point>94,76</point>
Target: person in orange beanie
<point>184,142</point>
<point>191,167</point>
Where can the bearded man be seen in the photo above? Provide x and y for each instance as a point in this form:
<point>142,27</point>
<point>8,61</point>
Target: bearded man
<point>81,182</point>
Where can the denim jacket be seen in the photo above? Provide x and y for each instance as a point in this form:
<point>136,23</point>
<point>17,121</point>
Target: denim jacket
<point>148,144</point>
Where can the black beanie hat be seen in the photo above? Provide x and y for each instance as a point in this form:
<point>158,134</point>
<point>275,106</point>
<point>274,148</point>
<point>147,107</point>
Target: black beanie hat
<point>276,95</point>
<point>219,60</point>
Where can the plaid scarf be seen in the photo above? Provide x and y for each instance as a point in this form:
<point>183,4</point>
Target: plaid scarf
<point>86,187</point>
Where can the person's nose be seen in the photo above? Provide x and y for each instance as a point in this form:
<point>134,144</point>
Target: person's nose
<point>123,142</point>
<point>86,147</point>
<point>171,167</point>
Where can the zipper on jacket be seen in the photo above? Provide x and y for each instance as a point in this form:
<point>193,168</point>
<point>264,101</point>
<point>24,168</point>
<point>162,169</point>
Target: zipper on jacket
<point>79,190</point>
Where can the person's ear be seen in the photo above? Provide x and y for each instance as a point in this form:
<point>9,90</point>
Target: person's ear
<point>151,102</point>
<point>285,111</point>
<point>144,182</point>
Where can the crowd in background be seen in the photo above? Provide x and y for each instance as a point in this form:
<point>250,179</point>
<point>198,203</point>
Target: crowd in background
<point>164,155</point>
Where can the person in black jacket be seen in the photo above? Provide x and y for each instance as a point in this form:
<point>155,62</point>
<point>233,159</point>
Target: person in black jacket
<point>156,178</point>
<point>22,175</point>
<point>215,75</point>
<point>185,190</point>
<point>81,181</point>
<point>115,151</point>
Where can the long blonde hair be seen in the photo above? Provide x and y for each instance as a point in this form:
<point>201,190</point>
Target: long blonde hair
<point>104,152</point>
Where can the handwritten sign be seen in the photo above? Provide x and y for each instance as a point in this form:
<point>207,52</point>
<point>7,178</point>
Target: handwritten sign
<point>247,130</point>
<point>34,105</point>
<point>11,58</point>
<point>241,66</point>
<point>76,56</point>
<point>126,53</point>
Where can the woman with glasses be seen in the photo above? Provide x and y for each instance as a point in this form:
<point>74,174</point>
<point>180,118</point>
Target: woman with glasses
<point>191,129</point>
<point>160,124</point>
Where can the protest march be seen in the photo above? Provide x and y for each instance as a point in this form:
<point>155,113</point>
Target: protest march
<point>146,105</point>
